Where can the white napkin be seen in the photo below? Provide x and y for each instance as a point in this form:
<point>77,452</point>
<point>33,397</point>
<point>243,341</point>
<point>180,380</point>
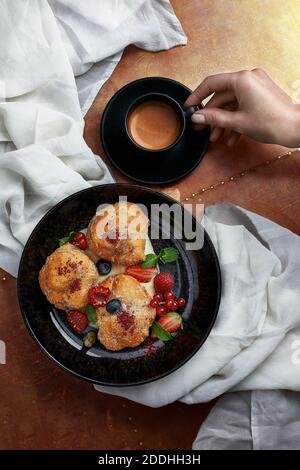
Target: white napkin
<point>95,33</point>
<point>258,420</point>
<point>255,343</point>
<point>43,157</point>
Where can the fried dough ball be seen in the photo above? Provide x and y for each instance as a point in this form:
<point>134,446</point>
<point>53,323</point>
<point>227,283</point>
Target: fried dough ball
<point>118,233</point>
<point>130,325</point>
<point>66,277</point>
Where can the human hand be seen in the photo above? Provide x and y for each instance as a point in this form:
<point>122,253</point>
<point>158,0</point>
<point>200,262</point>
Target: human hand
<point>247,102</point>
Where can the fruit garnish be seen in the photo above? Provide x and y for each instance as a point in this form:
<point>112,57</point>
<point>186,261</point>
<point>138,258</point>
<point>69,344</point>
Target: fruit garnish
<point>181,302</point>
<point>163,282</point>
<point>113,306</point>
<point>171,322</point>
<point>103,266</point>
<point>141,274</point>
<point>77,320</point>
<point>98,296</point>
<point>79,239</point>
<point>67,239</point>
<point>154,303</point>
<point>171,304</point>
<point>91,313</point>
<point>89,339</point>
<point>158,331</point>
<point>161,310</point>
<point>166,255</point>
<point>158,297</point>
<point>169,295</point>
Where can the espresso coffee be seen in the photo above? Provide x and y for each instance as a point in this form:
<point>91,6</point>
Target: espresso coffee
<point>154,125</point>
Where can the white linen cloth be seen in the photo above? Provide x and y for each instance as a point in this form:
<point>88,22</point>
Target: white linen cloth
<point>95,32</point>
<point>255,343</point>
<point>258,420</point>
<point>43,157</point>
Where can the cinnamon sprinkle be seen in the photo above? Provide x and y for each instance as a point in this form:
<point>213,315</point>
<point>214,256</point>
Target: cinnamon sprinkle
<point>75,285</point>
<point>68,267</point>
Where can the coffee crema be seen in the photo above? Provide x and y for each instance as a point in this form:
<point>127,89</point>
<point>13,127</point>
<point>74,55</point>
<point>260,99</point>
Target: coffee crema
<point>154,125</point>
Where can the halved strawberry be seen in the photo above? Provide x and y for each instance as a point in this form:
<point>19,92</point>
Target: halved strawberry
<point>141,274</point>
<point>77,320</point>
<point>171,322</point>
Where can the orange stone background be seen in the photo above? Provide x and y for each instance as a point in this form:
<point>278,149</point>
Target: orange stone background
<point>42,407</point>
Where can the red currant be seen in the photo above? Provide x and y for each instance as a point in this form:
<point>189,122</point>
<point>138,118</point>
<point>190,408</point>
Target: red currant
<point>161,310</point>
<point>181,302</point>
<point>154,303</point>
<point>158,297</point>
<point>169,295</point>
<point>79,239</point>
<point>172,305</point>
<point>169,304</point>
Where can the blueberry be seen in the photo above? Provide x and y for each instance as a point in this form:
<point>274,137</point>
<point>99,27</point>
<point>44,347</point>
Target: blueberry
<point>113,306</point>
<point>103,266</point>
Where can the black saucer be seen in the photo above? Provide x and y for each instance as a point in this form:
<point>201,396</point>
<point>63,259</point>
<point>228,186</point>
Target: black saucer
<point>163,167</point>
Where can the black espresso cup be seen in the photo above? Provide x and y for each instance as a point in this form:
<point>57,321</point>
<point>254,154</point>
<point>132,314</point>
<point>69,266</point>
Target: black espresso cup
<point>156,123</point>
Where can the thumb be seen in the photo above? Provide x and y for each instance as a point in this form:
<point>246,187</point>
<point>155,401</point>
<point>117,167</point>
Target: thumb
<point>215,117</point>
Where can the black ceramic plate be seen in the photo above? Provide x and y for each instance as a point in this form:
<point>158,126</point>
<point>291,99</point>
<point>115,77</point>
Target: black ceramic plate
<point>161,167</point>
<point>197,278</point>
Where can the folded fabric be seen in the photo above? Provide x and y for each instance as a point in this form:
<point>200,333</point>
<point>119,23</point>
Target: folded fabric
<point>258,420</point>
<point>95,33</point>
<point>255,343</point>
<point>43,157</point>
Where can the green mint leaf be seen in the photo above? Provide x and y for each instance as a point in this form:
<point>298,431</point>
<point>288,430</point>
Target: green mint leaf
<point>150,261</point>
<point>160,332</point>
<point>91,313</point>
<point>64,240</point>
<point>168,255</point>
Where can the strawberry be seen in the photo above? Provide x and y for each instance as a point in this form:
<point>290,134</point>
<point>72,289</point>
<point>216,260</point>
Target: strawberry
<point>163,282</point>
<point>141,274</point>
<point>171,322</point>
<point>77,320</point>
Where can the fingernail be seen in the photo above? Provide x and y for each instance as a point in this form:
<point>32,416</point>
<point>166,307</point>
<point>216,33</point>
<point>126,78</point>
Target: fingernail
<point>198,118</point>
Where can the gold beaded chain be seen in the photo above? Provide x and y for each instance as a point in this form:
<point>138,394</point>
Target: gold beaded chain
<point>236,176</point>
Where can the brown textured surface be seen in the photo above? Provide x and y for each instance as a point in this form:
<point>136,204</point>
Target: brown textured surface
<point>43,407</point>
